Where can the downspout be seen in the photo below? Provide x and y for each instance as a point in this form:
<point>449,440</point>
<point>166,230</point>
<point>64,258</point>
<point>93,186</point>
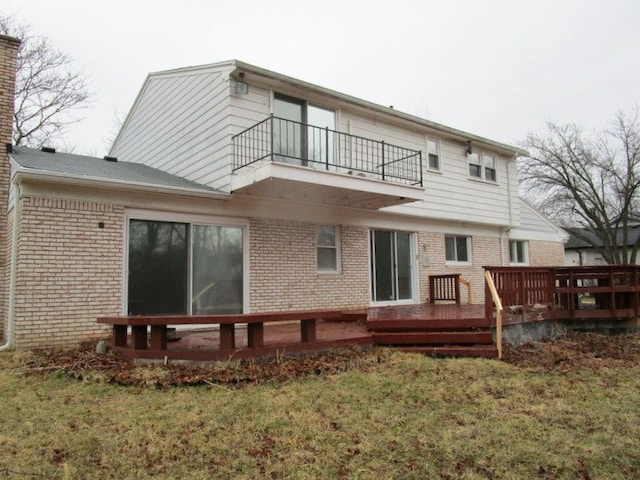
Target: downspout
<point>510,209</point>
<point>12,274</point>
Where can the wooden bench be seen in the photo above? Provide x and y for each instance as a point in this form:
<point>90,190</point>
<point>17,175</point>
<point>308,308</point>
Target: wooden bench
<point>255,327</point>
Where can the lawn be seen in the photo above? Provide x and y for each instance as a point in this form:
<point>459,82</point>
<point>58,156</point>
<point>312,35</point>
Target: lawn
<point>560,410</point>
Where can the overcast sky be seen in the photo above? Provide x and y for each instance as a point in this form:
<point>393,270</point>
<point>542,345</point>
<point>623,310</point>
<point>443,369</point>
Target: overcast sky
<point>495,68</point>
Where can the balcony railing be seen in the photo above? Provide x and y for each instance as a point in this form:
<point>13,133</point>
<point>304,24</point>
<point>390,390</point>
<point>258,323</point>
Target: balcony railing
<point>281,140</point>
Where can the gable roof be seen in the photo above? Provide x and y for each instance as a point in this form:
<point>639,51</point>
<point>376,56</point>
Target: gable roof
<point>81,169</point>
<point>237,68</point>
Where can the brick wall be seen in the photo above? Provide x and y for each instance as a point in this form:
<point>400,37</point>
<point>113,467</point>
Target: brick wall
<point>284,274</point>
<point>484,250</point>
<point>8,53</point>
<point>69,270</point>
<point>543,253</point>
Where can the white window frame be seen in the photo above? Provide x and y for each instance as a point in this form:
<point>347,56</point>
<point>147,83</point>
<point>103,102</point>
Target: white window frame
<point>467,238</point>
<point>481,162</point>
<point>525,248</point>
<point>436,143</point>
<point>149,215</point>
<point>336,247</point>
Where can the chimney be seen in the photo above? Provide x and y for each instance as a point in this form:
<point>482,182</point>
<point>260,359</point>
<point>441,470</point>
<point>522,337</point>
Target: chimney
<point>8,64</point>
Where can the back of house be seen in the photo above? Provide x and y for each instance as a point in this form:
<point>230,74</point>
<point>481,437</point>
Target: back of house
<point>232,189</point>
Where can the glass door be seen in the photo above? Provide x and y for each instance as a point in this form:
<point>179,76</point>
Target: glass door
<point>288,134</point>
<point>391,266</point>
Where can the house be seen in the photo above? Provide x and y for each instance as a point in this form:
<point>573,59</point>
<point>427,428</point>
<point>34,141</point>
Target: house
<point>231,188</point>
<point>578,252</point>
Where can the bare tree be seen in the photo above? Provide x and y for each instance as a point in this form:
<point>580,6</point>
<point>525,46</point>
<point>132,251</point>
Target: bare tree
<point>48,90</point>
<point>589,183</point>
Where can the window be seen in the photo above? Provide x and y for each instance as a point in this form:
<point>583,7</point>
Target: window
<point>457,248</point>
<point>482,166</point>
<point>433,152</point>
<point>489,168</point>
<point>183,268</point>
<point>328,248</point>
<point>518,252</point>
<point>475,167</point>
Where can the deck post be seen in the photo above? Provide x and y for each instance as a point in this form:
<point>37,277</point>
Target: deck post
<point>255,335</point>
<point>139,337</point>
<point>308,330</point>
<point>158,339</point>
<point>227,336</point>
<point>120,335</point>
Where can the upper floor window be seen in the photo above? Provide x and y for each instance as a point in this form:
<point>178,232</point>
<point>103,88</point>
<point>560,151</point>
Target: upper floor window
<point>457,248</point>
<point>482,166</point>
<point>433,154</point>
<point>328,248</point>
<point>518,252</point>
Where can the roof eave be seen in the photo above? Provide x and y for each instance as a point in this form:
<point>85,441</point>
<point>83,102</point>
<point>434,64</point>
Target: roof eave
<point>21,174</point>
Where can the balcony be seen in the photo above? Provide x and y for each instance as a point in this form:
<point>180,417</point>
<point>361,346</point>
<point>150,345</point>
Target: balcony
<point>295,161</point>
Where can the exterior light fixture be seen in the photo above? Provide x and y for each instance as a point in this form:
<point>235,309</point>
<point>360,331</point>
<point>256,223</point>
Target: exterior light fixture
<point>242,87</point>
<point>469,149</point>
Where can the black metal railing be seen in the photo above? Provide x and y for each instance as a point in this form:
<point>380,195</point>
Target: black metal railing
<point>281,140</point>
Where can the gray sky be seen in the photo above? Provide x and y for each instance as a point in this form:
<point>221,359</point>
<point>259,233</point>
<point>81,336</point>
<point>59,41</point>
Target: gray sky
<point>495,68</point>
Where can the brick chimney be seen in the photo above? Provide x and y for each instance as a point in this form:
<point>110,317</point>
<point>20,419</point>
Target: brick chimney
<point>8,63</point>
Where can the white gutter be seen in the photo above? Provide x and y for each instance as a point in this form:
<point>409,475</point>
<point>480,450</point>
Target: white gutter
<point>10,334</point>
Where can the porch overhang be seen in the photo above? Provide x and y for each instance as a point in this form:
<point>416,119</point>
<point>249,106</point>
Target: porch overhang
<point>283,181</point>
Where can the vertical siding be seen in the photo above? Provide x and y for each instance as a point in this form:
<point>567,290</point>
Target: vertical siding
<point>179,125</point>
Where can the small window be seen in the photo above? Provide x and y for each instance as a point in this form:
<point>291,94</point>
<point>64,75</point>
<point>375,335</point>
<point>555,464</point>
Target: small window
<point>457,248</point>
<point>518,252</point>
<point>328,249</point>
<point>489,168</point>
<point>433,152</point>
<point>475,167</point>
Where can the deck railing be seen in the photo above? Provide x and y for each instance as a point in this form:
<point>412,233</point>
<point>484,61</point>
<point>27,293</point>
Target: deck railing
<point>281,140</point>
<point>604,291</point>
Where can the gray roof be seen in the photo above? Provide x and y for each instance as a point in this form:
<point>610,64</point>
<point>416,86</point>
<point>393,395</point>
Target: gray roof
<point>84,167</point>
<point>575,243</point>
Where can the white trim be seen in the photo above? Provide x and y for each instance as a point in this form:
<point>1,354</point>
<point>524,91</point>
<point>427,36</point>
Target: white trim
<point>190,219</point>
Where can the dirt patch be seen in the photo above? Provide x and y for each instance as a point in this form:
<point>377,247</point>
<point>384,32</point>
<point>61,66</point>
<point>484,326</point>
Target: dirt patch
<point>578,350</point>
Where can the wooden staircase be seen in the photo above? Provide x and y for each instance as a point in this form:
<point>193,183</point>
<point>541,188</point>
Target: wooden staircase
<point>457,337</point>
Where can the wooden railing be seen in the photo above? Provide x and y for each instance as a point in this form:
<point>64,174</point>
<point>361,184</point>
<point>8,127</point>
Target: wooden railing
<point>447,288</point>
<point>497,302</point>
<point>605,291</point>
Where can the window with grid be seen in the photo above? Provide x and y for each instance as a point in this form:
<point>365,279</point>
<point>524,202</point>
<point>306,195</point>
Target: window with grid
<point>328,248</point>
<point>433,153</point>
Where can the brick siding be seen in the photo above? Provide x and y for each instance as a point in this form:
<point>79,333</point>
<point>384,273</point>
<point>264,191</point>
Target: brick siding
<point>543,253</point>
<point>284,274</point>
<point>8,55</point>
<point>69,270</point>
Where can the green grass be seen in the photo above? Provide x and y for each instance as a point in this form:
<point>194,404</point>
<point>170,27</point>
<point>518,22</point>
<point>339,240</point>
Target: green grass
<point>407,417</point>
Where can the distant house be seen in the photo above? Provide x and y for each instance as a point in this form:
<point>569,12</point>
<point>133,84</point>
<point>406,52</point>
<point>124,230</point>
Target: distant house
<point>231,188</point>
<point>578,252</point>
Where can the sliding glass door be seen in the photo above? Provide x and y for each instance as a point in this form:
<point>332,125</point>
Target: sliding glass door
<point>391,266</point>
<point>182,268</point>
<point>300,134</point>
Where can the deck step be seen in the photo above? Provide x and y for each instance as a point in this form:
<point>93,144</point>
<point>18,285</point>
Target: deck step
<point>405,325</point>
<point>433,338</point>
<point>482,351</point>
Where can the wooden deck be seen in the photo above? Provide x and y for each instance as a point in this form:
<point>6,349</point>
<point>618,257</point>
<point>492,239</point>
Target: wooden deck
<point>430,328</point>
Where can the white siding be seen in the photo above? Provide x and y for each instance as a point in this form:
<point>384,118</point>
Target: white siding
<point>179,125</point>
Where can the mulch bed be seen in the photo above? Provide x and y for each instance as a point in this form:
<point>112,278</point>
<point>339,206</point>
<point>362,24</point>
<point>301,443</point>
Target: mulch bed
<point>574,351</point>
